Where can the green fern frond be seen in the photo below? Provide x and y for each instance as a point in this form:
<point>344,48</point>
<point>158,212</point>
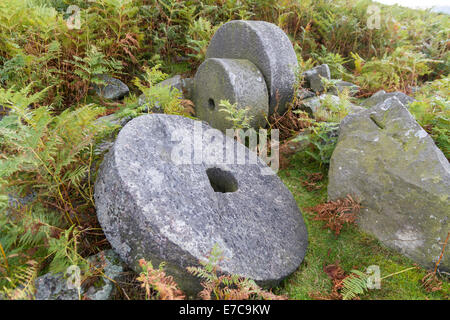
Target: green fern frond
<point>354,285</point>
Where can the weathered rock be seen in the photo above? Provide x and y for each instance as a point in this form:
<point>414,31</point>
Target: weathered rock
<point>54,286</point>
<point>113,119</point>
<point>313,77</point>
<point>112,268</point>
<point>386,160</point>
<point>316,106</point>
<point>238,81</point>
<point>184,85</point>
<point>188,88</point>
<point>166,193</point>
<point>268,47</point>
<point>381,96</point>
<point>304,94</point>
<point>112,89</point>
<point>340,86</point>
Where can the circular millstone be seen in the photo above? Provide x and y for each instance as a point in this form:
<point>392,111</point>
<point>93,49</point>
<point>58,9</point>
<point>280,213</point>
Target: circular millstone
<point>238,81</point>
<point>163,193</point>
<point>268,47</point>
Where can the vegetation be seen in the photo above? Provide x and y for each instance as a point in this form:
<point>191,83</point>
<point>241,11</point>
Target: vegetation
<point>52,52</point>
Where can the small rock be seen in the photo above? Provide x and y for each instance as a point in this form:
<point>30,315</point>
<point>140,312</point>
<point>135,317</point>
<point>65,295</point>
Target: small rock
<point>156,108</point>
<point>112,268</point>
<point>303,94</point>
<point>381,96</point>
<point>340,86</point>
<point>113,119</point>
<point>314,106</point>
<point>313,77</point>
<point>389,163</point>
<point>112,89</point>
<point>54,286</point>
<point>188,88</point>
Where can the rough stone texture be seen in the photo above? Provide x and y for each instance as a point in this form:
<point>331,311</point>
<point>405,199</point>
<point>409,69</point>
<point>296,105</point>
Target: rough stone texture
<point>313,106</point>
<point>153,203</point>
<point>340,86</point>
<point>238,81</point>
<point>188,88</point>
<point>268,47</point>
<point>385,159</point>
<point>112,267</point>
<point>113,119</point>
<point>112,89</point>
<point>381,96</point>
<point>54,286</point>
<point>304,94</point>
<point>313,77</point>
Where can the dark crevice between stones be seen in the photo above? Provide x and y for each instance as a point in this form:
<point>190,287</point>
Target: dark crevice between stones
<point>377,123</point>
<point>211,104</point>
<point>221,180</point>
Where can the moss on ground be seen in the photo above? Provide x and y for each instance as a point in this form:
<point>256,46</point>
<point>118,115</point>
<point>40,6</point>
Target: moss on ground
<point>352,248</point>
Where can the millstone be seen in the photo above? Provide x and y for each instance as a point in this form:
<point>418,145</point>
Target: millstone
<point>163,195</point>
<point>268,47</point>
<point>233,80</point>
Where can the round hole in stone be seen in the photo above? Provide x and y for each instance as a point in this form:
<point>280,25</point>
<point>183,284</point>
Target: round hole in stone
<point>221,180</point>
<point>211,104</point>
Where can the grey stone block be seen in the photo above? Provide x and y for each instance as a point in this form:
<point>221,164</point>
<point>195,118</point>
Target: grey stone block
<point>313,77</point>
<point>112,89</point>
<point>54,286</point>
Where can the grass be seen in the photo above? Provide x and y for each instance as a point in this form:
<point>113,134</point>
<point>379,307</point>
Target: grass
<point>352,248</point>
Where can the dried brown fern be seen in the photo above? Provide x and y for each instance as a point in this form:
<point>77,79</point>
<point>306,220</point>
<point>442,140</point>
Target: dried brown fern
<point>336,213</point>
<point>157,284</point>
<point>227,287</point>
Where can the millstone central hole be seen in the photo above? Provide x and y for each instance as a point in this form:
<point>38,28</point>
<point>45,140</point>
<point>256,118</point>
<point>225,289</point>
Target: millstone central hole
<point>221,180</point>
<point>211,104</point>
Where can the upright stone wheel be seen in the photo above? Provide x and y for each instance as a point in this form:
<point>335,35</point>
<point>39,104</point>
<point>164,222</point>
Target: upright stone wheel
<point>268,47</point>
<point>238,81</point>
